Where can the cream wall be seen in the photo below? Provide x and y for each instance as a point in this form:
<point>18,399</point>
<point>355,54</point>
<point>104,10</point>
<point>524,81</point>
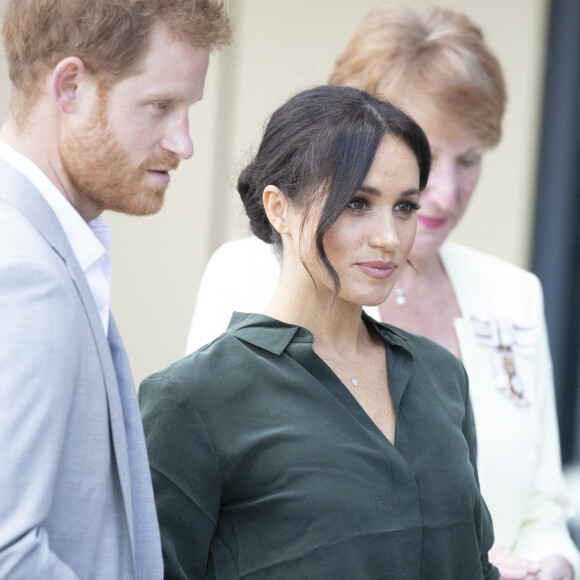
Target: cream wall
<point>281,47</point>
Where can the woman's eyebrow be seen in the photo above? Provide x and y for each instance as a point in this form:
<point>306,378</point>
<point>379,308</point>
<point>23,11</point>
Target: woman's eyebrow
<point>369,190</point>
<point>376,192</point>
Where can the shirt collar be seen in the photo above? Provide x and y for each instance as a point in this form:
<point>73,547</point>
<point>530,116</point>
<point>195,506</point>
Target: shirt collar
<point>89,242</point>
<point>250,329</point>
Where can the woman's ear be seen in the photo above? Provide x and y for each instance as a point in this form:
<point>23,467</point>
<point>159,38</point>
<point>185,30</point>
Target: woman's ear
<point>67,76</point>
<point>276,207</point>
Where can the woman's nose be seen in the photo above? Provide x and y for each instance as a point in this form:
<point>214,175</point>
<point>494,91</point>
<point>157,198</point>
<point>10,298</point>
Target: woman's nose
<point>442,186</point>
<point>384,234</point>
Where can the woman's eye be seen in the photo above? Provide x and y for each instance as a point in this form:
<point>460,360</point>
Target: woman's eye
<point>407,208</point>
<point>161,106</point>
<point>358,204</point>
<point>467,162</point>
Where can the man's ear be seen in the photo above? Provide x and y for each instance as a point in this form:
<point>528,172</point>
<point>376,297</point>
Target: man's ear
<point>276,207</point>
<point>66,78</point>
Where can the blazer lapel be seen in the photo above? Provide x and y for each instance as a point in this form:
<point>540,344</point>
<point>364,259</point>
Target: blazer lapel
<point>461,276</point>
<point>147,542</point>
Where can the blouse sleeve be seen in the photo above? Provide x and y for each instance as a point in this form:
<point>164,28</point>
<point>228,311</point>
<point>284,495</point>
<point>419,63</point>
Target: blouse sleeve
<point>186,475</point>
<point>480,512</point>
<point>544,530</point>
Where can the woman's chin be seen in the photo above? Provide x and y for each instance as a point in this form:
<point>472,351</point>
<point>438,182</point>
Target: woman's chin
<point>372,301</point>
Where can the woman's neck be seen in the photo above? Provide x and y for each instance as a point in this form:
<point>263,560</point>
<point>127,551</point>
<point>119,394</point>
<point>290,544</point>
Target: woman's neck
<point>424,302</point>
<point>336,325</point>
<point>419,266</point>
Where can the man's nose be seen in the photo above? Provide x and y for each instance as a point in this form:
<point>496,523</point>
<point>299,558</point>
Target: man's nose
<point>178,140</point>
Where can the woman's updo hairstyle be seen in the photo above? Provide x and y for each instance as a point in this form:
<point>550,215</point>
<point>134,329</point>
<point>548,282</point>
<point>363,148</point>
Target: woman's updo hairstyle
<point>318,147</point>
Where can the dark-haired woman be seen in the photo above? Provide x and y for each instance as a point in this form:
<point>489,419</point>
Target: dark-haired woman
<point>311,441</point>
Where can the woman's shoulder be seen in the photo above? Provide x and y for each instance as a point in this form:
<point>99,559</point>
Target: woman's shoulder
<point>194,370</point>
<point>419,347</point>
<point>202,366</point>
<point>471,262</point>
<point>432,364</point>
<point>486,285</point>
<point>226,361</point>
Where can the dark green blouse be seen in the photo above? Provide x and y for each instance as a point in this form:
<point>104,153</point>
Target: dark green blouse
<point>265,466</point>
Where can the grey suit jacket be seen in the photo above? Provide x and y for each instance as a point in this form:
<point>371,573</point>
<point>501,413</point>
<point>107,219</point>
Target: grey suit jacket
<point>75,493</point>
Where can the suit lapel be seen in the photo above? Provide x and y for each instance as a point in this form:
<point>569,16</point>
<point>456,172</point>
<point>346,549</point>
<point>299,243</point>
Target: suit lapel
<point>148,560</point>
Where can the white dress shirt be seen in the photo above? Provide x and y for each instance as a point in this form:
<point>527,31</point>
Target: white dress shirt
<point>90,242</point>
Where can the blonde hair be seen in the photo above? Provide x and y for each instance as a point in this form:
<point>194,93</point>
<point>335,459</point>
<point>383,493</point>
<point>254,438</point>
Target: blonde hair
<point>437,57</point>
<point>110,36</point>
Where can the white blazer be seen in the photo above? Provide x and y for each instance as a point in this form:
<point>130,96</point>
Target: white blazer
<point>501,307</point>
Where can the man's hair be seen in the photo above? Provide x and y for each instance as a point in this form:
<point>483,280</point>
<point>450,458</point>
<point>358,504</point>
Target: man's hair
<point>110,36</point>
<point>435,56</point>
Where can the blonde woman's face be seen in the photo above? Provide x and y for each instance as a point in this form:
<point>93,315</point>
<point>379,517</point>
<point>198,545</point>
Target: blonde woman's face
<point>456,165</point>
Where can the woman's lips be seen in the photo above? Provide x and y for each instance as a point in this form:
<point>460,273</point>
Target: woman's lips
<point>431,222</point>
<point>378,269</point>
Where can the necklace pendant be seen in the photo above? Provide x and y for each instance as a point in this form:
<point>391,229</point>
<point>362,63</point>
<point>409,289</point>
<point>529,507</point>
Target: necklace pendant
<point>354,382</point>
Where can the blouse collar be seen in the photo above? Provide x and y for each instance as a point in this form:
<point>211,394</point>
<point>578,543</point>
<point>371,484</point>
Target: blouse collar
<point>250,327</point>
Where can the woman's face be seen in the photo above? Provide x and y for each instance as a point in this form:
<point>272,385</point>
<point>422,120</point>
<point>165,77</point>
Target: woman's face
<point>456,165</point>
<point>370,241</point>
